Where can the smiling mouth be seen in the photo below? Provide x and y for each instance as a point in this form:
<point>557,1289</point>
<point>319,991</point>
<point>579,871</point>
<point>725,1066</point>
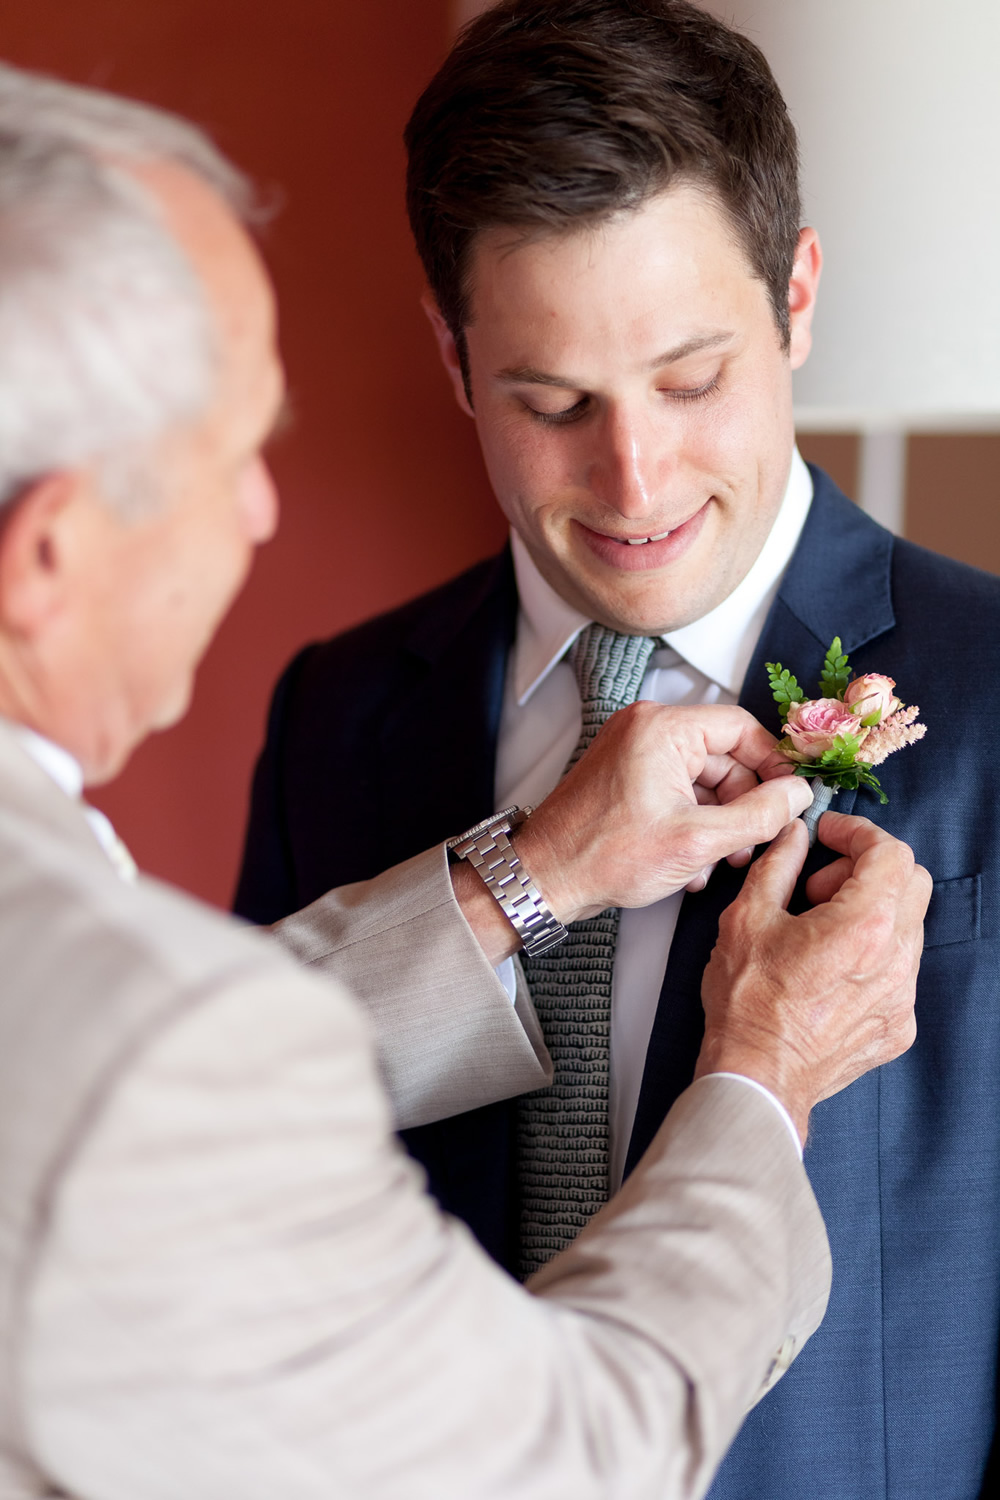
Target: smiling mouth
<point>657,549</point>
<point>643,541</point>
<point>640,541</point>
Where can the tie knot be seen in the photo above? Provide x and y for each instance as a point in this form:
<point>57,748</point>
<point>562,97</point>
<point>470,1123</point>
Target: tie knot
<point>609,666</point>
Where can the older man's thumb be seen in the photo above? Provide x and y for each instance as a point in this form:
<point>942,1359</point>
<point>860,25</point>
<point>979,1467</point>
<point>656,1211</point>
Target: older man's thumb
<point>770,881</point>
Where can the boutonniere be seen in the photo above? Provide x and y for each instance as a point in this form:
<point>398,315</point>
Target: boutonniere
<point>841,736</point>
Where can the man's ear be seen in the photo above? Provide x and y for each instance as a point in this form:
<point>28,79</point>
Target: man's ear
<point>802,289</point>
<point>33,572</point>
<point>448,351</point>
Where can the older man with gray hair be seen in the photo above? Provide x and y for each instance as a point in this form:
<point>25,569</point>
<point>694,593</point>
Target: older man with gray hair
<point>218,1273</point>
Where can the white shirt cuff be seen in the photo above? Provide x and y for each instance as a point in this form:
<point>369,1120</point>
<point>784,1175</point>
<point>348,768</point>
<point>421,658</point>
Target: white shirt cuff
<point>507,975</point>
<point>782,1111</point>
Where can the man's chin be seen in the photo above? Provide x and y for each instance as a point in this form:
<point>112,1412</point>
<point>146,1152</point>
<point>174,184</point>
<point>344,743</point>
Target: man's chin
<point>172,710</point>
<point>114,753</point>
<point>634,602</point>
<point>662,595</point>
<point>105,763</point>
<point>641,605</point>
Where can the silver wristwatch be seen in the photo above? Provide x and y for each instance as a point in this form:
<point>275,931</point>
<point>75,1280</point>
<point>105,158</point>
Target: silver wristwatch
<point>487,847</point>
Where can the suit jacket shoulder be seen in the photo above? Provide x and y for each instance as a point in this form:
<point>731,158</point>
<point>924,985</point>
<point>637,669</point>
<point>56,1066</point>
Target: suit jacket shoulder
<point>848,568</point>
<point>380,743</point>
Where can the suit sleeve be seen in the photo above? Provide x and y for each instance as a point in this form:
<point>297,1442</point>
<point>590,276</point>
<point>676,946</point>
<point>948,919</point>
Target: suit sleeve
<point>448,1038</point>
<point>240,1288</point>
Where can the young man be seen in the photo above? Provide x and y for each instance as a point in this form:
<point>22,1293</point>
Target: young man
<point>218,1274</point>
<point>604,195</point>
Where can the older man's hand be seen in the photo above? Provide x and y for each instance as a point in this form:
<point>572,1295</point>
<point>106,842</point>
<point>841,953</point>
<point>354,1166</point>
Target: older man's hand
<point>660,796</point>
<point>806,1004</point>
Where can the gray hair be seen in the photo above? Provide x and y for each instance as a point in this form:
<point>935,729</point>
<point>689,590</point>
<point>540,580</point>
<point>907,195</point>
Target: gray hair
<point>106,337</point>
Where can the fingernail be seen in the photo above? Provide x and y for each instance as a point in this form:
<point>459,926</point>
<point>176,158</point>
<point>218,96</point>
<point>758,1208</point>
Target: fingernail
<point>806,800</point>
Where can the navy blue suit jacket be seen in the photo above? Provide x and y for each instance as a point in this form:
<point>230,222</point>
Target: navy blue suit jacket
<point>382,742</point>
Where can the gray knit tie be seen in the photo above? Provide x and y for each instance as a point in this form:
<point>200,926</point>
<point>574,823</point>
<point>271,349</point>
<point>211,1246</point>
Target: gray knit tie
<point>562,1136</point>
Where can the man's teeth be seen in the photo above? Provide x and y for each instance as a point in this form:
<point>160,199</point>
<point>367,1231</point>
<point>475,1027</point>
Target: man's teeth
<point>640,541</point>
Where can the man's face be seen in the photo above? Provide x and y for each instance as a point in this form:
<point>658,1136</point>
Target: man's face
<point>159,586</point>
<point>629,383</point>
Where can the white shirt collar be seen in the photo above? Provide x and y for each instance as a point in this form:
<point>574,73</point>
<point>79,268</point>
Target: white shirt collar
<point>65,771</point>
<point>719,645</point>
<point>67,774</point>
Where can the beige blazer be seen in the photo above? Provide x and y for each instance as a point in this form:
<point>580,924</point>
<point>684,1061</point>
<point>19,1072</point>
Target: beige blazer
<point>220,1277</point>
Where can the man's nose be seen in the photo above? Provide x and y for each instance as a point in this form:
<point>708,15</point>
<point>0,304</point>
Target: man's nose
<point>259,503</point>
<point>625,473</point>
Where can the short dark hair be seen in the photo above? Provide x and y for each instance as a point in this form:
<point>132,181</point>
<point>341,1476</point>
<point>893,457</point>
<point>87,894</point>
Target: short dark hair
<point>549,115</point>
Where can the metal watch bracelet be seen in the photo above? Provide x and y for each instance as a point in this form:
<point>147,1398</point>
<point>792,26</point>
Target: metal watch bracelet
<point>489,850</point>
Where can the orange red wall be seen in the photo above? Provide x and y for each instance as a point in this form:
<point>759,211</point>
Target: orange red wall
<point>383,491</point>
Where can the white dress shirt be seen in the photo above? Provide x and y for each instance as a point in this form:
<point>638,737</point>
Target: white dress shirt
<point>704,662</point>
<point>67,773</point>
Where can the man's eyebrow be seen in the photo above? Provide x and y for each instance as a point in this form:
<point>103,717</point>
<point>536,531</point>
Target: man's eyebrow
<point>690,346</point>
<point>528,375</point>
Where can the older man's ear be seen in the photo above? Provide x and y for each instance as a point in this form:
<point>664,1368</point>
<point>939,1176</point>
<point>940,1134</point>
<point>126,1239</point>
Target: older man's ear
<point>37,534</point>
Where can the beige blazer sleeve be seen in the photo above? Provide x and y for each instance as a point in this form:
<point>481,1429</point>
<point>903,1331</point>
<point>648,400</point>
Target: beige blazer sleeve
<point>447,1036</point>
<point>239,1288</point>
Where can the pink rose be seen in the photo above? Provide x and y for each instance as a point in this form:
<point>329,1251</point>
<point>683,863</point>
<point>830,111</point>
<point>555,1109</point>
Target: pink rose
<point>871,694</point>
<point>813,726</point>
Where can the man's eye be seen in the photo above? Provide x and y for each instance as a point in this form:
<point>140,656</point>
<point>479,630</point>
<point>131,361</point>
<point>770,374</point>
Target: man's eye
<point>694,393</point>
<point>560,418</point>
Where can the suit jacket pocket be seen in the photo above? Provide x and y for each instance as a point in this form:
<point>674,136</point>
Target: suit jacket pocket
<point>954,913</point>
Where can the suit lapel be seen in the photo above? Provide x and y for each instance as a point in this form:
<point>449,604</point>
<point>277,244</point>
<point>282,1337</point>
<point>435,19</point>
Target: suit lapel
<point>838,583</point>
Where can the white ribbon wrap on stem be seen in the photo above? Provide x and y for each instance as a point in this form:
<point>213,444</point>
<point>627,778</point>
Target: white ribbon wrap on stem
<point>823,795</point>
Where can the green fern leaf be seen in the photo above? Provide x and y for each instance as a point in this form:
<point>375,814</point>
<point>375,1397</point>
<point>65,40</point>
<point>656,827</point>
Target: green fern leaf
<point>785,689</point>
<point>836,672</point>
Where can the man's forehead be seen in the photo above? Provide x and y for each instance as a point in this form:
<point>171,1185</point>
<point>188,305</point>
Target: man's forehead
<point>665,283</point>
<point>683,208</point>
